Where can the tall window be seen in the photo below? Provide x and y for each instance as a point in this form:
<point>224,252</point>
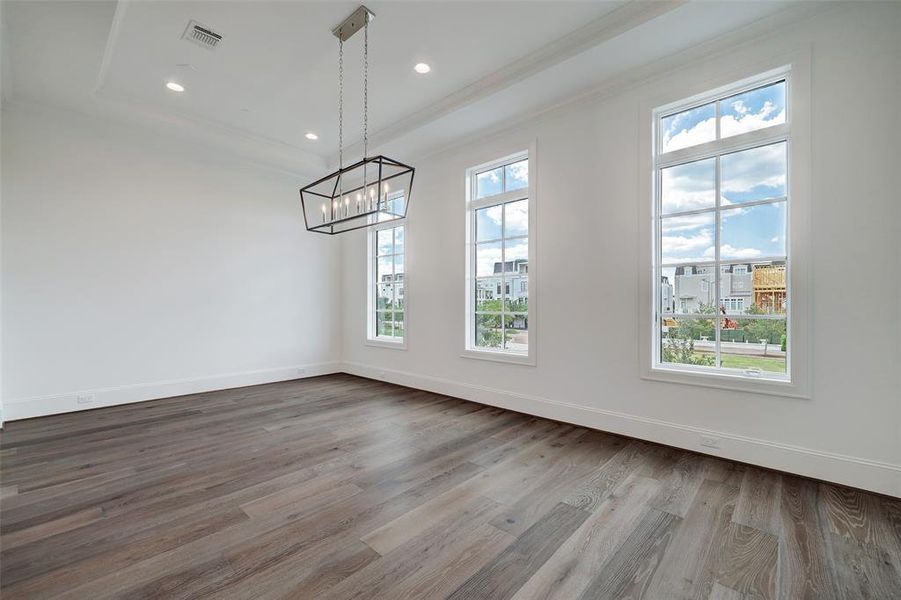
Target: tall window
<point>720,209</point>
<point>387,301</point>
<point>498,258</point>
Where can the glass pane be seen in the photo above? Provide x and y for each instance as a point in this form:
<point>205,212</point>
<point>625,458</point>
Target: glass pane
<point>755,174</point>
<point>399,298</point>
<point>490,183</point>
<point>383,296</point>
<point>688,128</point>
<point>383,324</point>
<point>687,239</point>
<point>383,241</point>
<point>398,267</point>
<point>396,204</point>
<point>384,272</point>
<point>488,331</point>
<point>748,233</point>
<point>516,255</point>
<point>756,344</point>
<point>488,259</point>
<point>768,285</point>
<point>517,175</point>
<point>516,218</point>
<point>516,296</point>
<point>516,335</point>
<point>488,223</point>
<point>398,325</point>
<point>486,296</point>
<point>688,290</point>
<point>688,187</point>
<point>688,341</point>
<point>399,240</point>
<point>752,110</point>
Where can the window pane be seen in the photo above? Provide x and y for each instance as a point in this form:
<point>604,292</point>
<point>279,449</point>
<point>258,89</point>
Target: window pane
<point>486,296</point>
<point>383,241</point>
<point>516,298</point>
<point>516,338</point>
<point>396,204</point>
<point>688,128</point>
<point>488,223</point>
<point>769,291</point>
<point>383,324</point>
<point>517,175</point>
<point>755,174</point>
<point>687,239</point>
<point>385,270</point>
<point>516,218</point>
<point>488,259</point>
<point>398,325</point>
<point>399,298</point>
<point>399,240</point>
<point>384,296</point>
<point>490,183</point>
<point>688,341</point>
<point>752,110</point>
<point>516,255</point>
<point>398,267</point>
<point>688,187</point>
<point>749,233</point>
<point>488,331</point>
<point>756,344</point>
<point>688,289</point>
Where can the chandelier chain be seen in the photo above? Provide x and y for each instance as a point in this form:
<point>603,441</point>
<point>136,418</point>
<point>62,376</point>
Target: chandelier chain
<point>340,103</point>
<point>366,88</point>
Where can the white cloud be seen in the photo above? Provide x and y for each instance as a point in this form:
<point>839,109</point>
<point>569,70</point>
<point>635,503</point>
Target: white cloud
<point>728,252</point>
<point>703,131</point>
<point>763,166</point>
<point>774,239</point>
<point>747,121</point>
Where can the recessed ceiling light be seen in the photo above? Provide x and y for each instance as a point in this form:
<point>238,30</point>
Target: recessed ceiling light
<point>422,68</point>
<point>175,87</point>
<point>311,136</point>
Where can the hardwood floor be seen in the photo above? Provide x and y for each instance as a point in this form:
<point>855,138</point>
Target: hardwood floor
<point>341,487</point>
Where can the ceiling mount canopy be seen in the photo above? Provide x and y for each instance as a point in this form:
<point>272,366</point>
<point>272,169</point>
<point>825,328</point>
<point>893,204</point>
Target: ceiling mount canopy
<point>371,191</point>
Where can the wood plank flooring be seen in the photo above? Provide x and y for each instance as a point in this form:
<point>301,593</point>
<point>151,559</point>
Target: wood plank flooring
<point>341,487</point>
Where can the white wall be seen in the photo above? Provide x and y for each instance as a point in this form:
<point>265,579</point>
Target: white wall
<point>587,268</point>
<point>136,265</point>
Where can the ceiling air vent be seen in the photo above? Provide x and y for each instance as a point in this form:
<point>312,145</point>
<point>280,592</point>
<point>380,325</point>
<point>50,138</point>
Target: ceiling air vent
<point>201,35</point>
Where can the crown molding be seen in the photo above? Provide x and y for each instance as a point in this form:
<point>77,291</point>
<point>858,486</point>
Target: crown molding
<point>618,21</point>
<point>280,154</point>
<point>747,34</point>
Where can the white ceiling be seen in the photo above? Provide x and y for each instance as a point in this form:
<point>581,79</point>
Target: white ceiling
<point>273,77</point>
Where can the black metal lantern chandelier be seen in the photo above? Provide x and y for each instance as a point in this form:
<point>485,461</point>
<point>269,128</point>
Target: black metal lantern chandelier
<point>373,190</point>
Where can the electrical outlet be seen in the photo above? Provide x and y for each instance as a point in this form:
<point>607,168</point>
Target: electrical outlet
<point>84,398</point>
<point>710,442</point>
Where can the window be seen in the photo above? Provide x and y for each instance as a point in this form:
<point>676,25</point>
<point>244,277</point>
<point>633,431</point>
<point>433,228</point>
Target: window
<point>387,300</point>
<point>720,226</point>
<point>499,209</point>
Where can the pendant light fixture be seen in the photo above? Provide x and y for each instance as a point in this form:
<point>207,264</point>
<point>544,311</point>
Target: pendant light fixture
<point>373,190</point>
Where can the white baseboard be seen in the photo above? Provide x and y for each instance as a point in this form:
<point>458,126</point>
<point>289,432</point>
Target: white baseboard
<point>39,406</point>
<point>876,476</point>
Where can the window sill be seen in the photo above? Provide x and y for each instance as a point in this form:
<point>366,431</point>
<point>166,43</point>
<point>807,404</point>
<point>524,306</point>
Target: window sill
<point>502,357</point>
<point>727,381</point>
<point>386,344</point>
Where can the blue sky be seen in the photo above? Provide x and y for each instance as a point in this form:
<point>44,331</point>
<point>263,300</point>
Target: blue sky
<point>747,176</point>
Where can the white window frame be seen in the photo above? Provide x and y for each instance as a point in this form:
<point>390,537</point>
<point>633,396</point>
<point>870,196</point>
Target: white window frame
<point>369,337</point>
<point>470,350</point>
<point>687,89</point>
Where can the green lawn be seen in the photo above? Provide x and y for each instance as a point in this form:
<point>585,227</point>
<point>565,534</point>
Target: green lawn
<point>764,363</point>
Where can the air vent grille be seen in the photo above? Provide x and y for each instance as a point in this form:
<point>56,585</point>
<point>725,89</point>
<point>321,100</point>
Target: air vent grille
<point>201,35</point>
